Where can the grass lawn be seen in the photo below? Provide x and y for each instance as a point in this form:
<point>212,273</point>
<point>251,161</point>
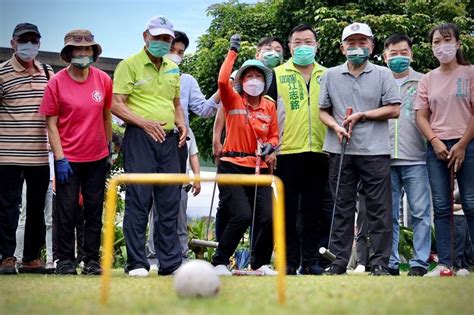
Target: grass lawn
<point>349,294</point>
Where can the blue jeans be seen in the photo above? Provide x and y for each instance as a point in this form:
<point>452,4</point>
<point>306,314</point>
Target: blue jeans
<point>439,180</point>
<point>414,179</point>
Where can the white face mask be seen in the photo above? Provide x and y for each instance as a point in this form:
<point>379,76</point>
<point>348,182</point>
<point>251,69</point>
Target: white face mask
<point>445,53</point>
<point>253,87</point>
<point>27,51</point>
<point>175,58</point>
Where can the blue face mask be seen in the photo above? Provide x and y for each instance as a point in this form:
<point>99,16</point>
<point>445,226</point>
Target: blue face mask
<point>304,55</point>
<point>399,64</point>
<point>357,55</point>
<point>27,51</point>
<point>82,62</point>
<point>158,48</point>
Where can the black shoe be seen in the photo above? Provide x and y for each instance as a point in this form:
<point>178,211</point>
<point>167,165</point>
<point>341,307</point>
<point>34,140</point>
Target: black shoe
<point>393,271</point>
<point>7,266</point>
<point>92,267</point>
<point>65,267</point>
<point>291,271</point>
<point>315,270</point>
<point>377,270</point>
<point>333,270</point>
<point>417,272</point>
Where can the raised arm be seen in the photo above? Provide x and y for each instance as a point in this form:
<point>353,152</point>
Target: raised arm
<point>226,90</point>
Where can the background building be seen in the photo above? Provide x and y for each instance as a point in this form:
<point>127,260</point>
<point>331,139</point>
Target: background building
<point>52,58</point>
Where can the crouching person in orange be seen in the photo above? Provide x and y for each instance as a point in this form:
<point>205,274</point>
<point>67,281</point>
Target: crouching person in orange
<point>252,130</point>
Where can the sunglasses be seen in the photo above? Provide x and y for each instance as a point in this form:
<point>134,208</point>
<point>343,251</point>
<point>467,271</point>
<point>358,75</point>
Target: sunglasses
<point>80,38</point>
<point>24,40</point>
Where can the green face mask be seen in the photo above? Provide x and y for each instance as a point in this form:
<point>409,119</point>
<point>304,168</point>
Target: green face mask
<point>158,48</point>
<point>82,62</point>
<point>398,64</point>
<point>272,59</point>
<point>357,55</point>
<point>304,55</point>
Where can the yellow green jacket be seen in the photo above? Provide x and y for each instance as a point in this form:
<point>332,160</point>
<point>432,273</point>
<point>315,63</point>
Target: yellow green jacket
<point>297,109</point>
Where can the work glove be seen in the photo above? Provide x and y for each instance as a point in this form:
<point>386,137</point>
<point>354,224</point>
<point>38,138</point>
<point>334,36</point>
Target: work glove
<point>235,42</point>
<point>63,170</point>
<point>266,149</point>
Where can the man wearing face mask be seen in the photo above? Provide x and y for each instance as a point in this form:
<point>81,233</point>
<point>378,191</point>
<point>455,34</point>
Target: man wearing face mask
<point>301,162</point>
<point>147,98</point>
<point>372,93</point>
<point>408,158</point>
<point>24,152</point>
<point>191,99</point>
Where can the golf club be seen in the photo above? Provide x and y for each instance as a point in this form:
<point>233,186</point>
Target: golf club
<point>206,242</point>
<point>325,252</point>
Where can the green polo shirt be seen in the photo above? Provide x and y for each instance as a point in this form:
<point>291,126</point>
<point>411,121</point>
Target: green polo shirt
<point>150,91</point>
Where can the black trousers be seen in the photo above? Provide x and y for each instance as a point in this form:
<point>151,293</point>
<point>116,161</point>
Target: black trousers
<point>144,155</point>
<point>239,210</point>
<point>374,175</point>
<point>37,181</point>
<point>307,206</point>
<point>89,179</point>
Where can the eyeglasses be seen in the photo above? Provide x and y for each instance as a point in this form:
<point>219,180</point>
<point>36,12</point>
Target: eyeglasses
<point>79,38</point>
<point>24,40</point>
<point>308,42</point>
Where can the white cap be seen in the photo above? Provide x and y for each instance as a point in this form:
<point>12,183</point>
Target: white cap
<point>356,28</point>
<point>159,25</point>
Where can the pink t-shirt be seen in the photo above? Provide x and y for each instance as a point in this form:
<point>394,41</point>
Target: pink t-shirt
<point>80,110</point>
<point>450,98</point>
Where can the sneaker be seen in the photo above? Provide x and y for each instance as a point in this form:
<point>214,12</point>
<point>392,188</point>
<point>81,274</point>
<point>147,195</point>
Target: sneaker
<point>49,266</point>
<point>222,270</point>
<point>417,272</point>
<point>138,272</point>
<point>359,269</point>
<point>267,270</point>
<point>291,270</point>
<point>7,267</point>
<point>34,266</point>
<point>65,267</point>
<point>393,271</point>
<point>92,267</point>
<point>333,270</point>
<point>438,270</point>
<point>315,270</point>
<point>462,272</point>
<point>377,270</point>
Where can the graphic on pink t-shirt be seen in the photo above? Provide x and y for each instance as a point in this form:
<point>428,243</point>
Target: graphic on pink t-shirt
<point>80,110</point>
<point>450,98</point>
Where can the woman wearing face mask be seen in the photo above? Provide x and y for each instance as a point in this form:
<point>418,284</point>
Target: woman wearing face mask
<point>77,105</point>
<point>251,129</point>
<point>445,116</point>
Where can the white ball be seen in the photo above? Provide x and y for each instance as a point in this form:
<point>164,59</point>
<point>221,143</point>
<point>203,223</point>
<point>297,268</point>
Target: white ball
<point>196,278</point>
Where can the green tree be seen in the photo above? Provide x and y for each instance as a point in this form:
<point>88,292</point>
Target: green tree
<point>277,17</point>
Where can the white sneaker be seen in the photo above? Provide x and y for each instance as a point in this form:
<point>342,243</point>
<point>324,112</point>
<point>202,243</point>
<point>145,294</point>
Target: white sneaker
<point>267,270</point>
<point>359,269</point>
<point>49,265</point>
<point>139,272</point>
<point>462,272</point>
<point>222,270</point>
<point>436,272</point>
